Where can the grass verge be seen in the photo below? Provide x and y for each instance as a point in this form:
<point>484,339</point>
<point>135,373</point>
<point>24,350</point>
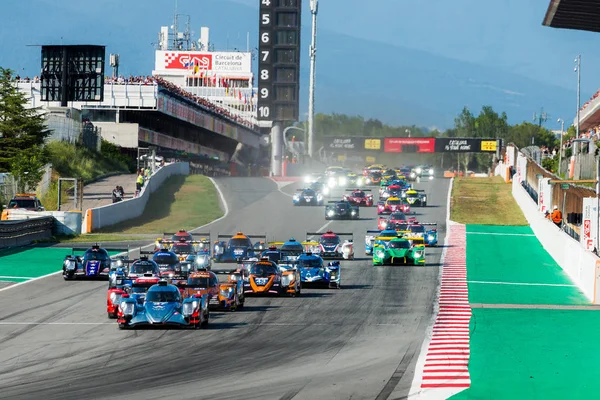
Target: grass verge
<point>484,201</point>
<point>96,237</point>
<point>183,202</point>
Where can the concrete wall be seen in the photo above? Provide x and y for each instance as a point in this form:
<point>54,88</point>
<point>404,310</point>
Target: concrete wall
<point>578,263</point>
<point>121,134</point>
<point>97,218</point>
<point>23,232</point>
<point>66,222</point>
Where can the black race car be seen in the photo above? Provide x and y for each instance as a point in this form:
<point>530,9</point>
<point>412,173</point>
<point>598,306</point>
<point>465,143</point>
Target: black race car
<point>307,197</point>
<point>341,210</point>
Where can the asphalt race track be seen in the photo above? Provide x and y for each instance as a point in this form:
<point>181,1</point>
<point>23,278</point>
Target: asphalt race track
<point>360,342</point>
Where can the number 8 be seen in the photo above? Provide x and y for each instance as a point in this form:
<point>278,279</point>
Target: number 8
<point>264,74</point>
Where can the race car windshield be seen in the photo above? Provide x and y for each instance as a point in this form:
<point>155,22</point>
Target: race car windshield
<point>394,202</point>
<point>293,249</point>
<point>399,227</point>
<point>342,206</point>
<point>412,195</point>
<point>199,282</point>
<point>263,270</point>
<point>162,296</point>
<point>183,249</point>
<point>142,268</point>
<point>21,204</point>
<point>202,259</point>
<point>95,255</point>
<point>398,216</point>
<point>417,229</point>
<point>309,263</point>
<point>330,240</point>
<point>240,242</point>
<point>176,237</point>
<point>376,174</point>
<point>165,259</point>
<point>274,256</point>
<point>359,194</point>
<point>399,244</point>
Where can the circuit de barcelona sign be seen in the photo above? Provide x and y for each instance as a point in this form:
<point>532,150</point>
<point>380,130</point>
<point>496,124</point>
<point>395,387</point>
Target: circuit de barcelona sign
<point>411,145</point>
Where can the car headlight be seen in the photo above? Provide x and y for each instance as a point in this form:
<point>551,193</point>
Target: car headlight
<point>127,308</point>
<point>226,292</point>
<point>286,280</point>
<point>296,197</point>
<point>367,180</point>
<point>325,190</point>
<point>353,212</point>
<point>368,241</point>
<point>379,253</point>
<point>307,179</point>
<point>188,309</point>
<point>418,170</point>
<point>330,213</point>
<point>343,181</point>
<point>384,224</point>
<point>424,198</point>
<point>418,254</point>
<point>115,298</point>
<point>70,265</point>
<point>412,175</point>
<point>319,197</point>
<point>116,264</point>
<point>430,237</point>
<point>431,171</point>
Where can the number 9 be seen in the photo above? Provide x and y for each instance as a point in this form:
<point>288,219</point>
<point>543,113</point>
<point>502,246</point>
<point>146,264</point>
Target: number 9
<point>264,93</point>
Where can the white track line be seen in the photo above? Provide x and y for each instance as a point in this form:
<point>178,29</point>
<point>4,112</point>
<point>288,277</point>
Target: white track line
<point>523,284</point>
<point>500,234</point>
<point>15,277</point>
<point>225,206</point>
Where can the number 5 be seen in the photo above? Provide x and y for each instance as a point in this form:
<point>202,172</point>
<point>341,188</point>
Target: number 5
<point>266,19</point>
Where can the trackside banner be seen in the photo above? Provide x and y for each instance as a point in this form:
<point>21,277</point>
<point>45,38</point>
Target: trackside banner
<point>465,145</point>
<point>589,227</point>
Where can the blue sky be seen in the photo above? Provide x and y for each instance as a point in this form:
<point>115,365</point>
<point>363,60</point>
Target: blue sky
<point>506,34</point>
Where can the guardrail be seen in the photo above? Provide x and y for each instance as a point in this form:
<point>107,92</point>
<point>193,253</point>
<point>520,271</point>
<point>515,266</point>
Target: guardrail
<point>20,233</point>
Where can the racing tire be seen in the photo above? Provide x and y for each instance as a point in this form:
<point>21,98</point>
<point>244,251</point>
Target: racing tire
<point>204,323</point>
<point>123,326</point>
<point>111,316</point>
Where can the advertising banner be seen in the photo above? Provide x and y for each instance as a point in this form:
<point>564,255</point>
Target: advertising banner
<point>465,145</point>
<point>409,145</point>
<point>544,195</point>
<point>198,61</point>
<point>353,143</point>
<point>589,227</point>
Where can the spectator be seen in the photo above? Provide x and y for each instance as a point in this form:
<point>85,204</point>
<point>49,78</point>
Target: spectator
<point>117,194</point>
<point>557,216</point>
<point>140,181</point>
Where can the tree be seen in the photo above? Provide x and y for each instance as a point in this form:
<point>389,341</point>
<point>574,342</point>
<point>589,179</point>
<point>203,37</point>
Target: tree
<point>27,166</point>
<point>20,127</point>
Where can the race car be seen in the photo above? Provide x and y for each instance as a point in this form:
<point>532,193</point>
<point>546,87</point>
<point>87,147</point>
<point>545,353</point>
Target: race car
<point>416,198</point>
<point>266,278</point>
<point>166,260</point>
<point>180,239</point>
<point>391,205</point>
<point>95,263</point>
<point>359,197</point>
<point>136,289</point>
<point>308,196</point>
<point>231,292</point>
<point>200,260</point>
<point>238,246</point>
<point>163,306</point>
<point>354,179</point>
<point>374,237</point>
<point>398,251</point>
<point>142,267</point>
<point>320,188</point>
<point>372,168</point>
<point>172,237</point>
<point>393,218</point>
<point>341,210</point>
<point>314,272</point>
<point>424,171</point>
<point>373,179</point>
<point>290,250</point>
<point>204,282</point>
<point>388,175</point>
<point>425,230</point>
<point>330,245</point>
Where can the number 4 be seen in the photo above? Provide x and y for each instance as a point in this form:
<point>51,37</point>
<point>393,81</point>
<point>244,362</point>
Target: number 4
<point>266,2</point>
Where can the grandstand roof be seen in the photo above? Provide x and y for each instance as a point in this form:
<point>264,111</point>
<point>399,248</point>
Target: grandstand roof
<point>582,15</point>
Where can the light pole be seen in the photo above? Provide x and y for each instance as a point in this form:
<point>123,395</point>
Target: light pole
<point>578,70</point>
<point>314,7</point>
<point>562,132</point>
<point>407,131</point>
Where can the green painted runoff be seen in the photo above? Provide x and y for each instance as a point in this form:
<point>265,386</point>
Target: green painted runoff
<point>506,268</point>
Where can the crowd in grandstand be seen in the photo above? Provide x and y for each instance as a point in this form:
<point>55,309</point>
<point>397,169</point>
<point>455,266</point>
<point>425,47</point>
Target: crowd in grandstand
<point>587,103</point>
<point>156,80</point>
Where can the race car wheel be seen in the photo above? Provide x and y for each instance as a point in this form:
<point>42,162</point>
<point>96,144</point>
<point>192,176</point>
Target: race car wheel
<point>206,317</point>
<point>123,326</point>
<point>112,316</point>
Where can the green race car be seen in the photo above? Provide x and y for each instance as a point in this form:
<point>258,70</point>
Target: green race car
<point>398,251</point>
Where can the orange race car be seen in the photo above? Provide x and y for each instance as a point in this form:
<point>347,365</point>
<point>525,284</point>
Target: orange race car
<point>268,278</point>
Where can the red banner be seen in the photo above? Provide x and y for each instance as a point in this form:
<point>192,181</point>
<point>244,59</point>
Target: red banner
<point>409,145</point>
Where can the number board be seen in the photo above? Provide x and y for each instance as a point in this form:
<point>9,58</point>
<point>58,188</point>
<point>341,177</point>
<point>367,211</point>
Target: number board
<point>279,60</point>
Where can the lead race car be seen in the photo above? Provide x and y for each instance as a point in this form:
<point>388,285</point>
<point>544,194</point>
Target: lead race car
<point>135,289</point>
<point>307,196</point>
<point>239,246</point>
<point>163,305</point>
<point>95,263</point>
<point>330,245</point>
<point>341,210</point>
<point>359,197</point>
<point>314,272</point>
<point>373,235</point>
<point>398,251</point>
<point>266,277</point>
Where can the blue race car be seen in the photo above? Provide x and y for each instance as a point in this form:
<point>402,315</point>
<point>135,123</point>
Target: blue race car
<point>312,271</point>
<point>238,247</point>
<point>95,263</point>
<point>307,197</point>
<point>429,235</point>
<point>163,306</point>
<point>291,249</point>
<point>371,235</point>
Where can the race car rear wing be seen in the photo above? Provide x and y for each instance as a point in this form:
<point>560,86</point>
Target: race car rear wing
<point>248,236</point>
<point>308,234</point>
<point>363,190</point>
<point>109,249</point>
<point>147,252</point>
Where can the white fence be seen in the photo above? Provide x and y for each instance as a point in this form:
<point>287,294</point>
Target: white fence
<point>111,214</point>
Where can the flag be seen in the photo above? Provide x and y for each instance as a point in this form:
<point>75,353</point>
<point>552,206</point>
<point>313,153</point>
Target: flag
<point>226,91</point>
<point>196,69</point>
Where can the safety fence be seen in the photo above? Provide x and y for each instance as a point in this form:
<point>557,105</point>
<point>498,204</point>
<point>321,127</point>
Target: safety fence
<point>20,233</point>
<point>567,197</point>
